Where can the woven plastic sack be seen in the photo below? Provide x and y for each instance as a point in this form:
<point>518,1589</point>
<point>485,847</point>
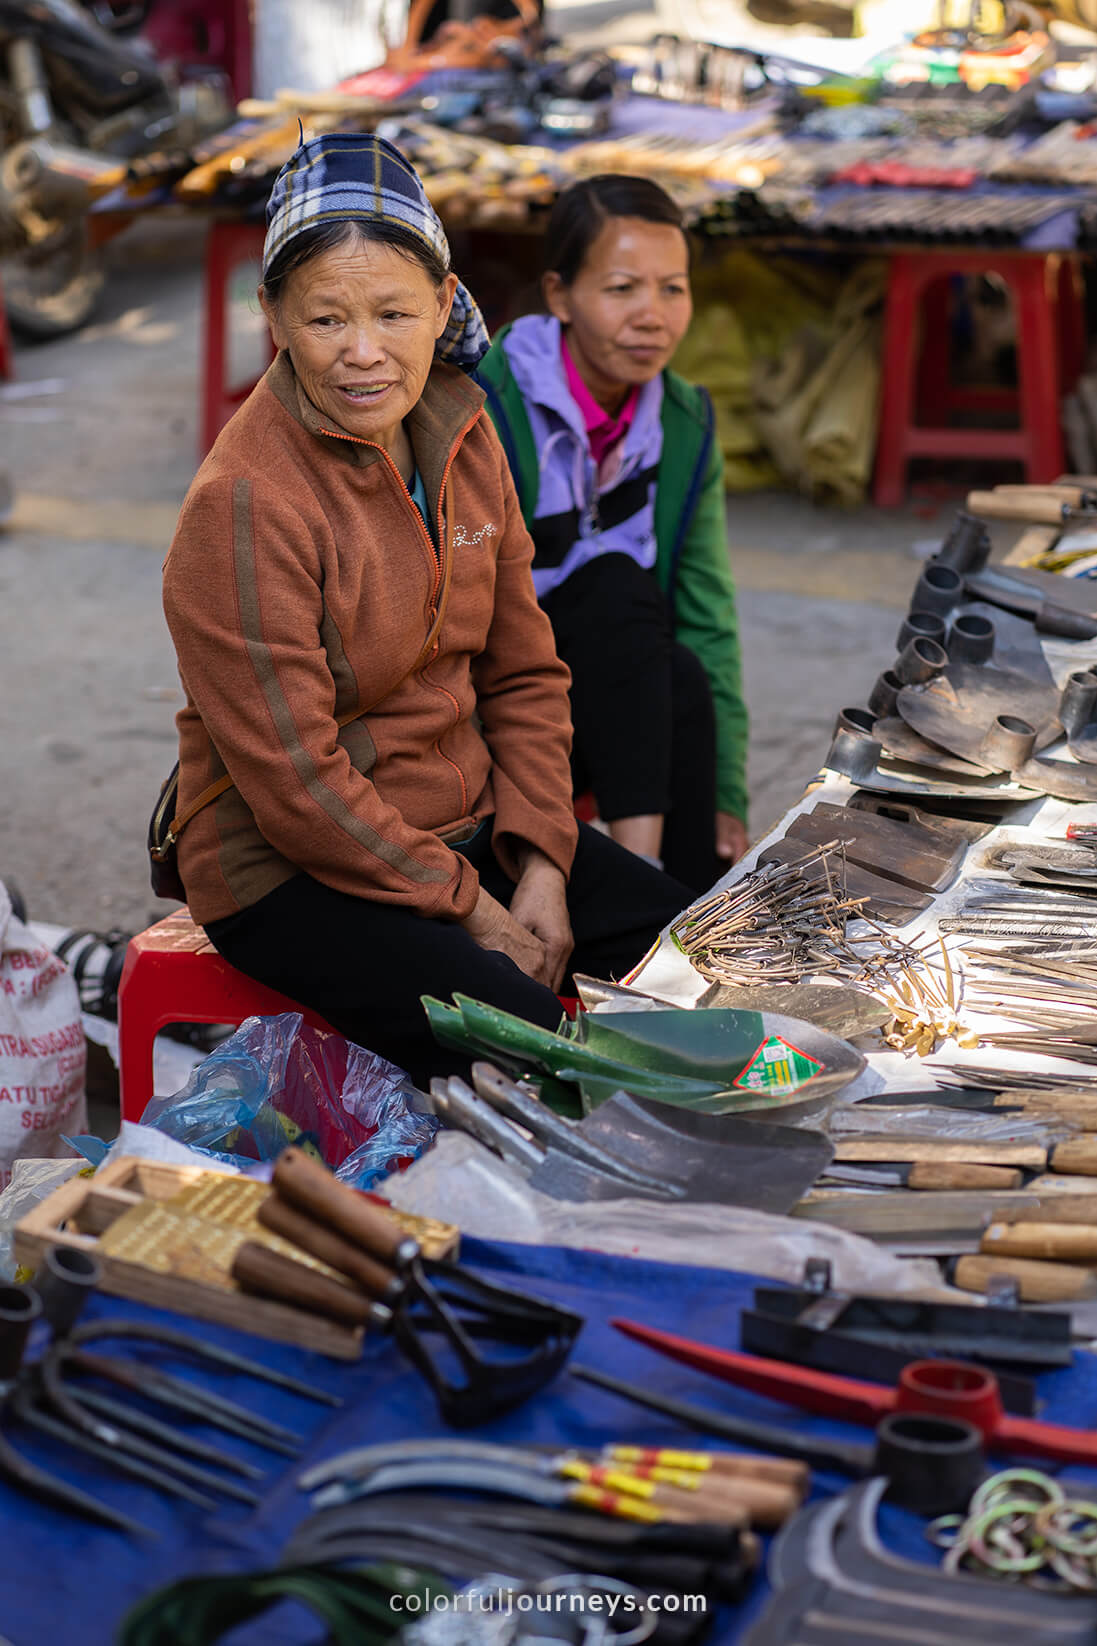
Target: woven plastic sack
<point>277,1081</point>
<point>42,1051</point>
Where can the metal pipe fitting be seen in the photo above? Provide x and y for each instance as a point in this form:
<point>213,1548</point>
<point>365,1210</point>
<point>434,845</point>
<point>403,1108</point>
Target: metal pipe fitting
<point>938,589</point>
<point>882,698</point>
<point>919,625</point>
<point>19,1309</point>
<point>919,661</point>
<point>1078,702</point>
<point>1009,742</point>
<point>858,721</point>
<point>64,1280</point>
<point>967,546</point>
<point>972,640</point>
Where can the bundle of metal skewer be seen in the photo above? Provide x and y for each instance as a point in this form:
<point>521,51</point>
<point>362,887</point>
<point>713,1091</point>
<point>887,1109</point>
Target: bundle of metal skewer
<point>783,923</point>
<point>1054,995</point>
<point>779,924</point>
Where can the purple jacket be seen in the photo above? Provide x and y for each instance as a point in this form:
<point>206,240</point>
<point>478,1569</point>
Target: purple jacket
<point>581,513</point>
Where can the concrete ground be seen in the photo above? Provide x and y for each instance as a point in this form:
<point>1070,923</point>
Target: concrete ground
<point>98,433</point>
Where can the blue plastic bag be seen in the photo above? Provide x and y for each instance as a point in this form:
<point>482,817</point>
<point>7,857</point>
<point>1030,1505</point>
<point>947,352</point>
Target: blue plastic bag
<point>277,1081</point>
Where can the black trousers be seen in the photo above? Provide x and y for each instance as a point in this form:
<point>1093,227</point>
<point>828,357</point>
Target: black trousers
<point>645,727</point>
<point>363,966</point>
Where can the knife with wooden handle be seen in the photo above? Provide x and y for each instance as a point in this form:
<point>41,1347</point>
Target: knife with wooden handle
<point>1056,1242</point>
<point>1037,1282</point>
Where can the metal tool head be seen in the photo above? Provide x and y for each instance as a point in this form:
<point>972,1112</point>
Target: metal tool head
<point>450,1312</point>
<point>64,1280</point>
<point>20,1307</point>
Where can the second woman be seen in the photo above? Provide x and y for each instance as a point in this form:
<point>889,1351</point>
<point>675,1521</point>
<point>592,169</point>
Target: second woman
<point>621,484</point>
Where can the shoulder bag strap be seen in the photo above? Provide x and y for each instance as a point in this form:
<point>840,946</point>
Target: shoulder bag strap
<point>215,790</point>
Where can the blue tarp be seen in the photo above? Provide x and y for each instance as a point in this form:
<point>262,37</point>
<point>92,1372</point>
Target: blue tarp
<point>64,1583</point>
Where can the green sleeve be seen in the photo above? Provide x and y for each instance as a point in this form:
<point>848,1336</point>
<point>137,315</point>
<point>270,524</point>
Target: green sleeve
<point>707,622</point>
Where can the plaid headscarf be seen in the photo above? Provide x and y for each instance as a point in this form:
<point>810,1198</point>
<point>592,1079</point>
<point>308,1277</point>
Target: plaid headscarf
<point>350,174</point>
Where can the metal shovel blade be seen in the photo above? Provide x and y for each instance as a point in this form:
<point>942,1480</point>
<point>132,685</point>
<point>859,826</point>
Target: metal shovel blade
<point>763,1061</point>
<point>720,1159</point>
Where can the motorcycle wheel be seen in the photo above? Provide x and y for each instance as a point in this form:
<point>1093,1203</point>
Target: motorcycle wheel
<point>53,287</point>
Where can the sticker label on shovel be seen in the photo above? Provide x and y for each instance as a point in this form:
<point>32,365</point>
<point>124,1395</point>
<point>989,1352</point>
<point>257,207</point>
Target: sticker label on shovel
<point>778,1068</point>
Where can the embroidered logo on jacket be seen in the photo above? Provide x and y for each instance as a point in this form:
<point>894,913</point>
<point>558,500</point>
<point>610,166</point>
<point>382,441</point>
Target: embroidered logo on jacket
<point>462,539</point>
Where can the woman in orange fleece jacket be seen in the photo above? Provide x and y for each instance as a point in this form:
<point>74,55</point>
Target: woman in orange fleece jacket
<point>350,596</point>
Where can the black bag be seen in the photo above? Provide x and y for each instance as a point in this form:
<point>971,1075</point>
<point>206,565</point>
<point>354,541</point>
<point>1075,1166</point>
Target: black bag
<point>164,830</point>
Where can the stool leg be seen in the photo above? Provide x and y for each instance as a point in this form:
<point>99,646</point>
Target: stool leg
<point>1038,368</point>
<point>1072,323</point>
<point>138,1021</point>
<point>935,367</point>
<point>896,383</point>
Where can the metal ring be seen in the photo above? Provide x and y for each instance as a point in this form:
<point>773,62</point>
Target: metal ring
<point>1008,1480</point>
<point>988,1555</point>
<point>1072,1571</point>
<point>1072,1509</point>
<point>944,1532</point>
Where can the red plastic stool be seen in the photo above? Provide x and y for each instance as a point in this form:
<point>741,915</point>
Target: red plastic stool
<point>173,974</point>
<point>1047,302</point>
<point>229,244</point>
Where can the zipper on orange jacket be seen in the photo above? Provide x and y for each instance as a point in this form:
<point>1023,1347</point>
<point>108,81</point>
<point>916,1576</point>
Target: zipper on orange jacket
<point>437,559</point>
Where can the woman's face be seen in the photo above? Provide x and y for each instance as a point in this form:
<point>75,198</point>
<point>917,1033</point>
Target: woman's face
<point>360,323</point>
<point>629,306</point>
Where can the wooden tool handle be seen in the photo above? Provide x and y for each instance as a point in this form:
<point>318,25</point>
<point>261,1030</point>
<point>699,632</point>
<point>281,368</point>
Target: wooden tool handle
<point>1061,1242</point>
<point>767,1503</point>
<point>939,1174</point>
<point>311,1188</point>
<point>1078,1156</point>
<point>1038,1282</point>
<point>374,1278</point>
<point>1066,1097</point>
<point>1032,1156</point>
<point>256,1268</point>
<point>729,1503</point>
<point>786,1471</point>
<point>1037,511</point>
<point>1075,497</point>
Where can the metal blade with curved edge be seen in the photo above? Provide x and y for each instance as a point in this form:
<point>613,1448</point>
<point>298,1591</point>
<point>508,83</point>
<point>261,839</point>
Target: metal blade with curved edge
<point>902,742</point>
<point>1027,588</point>
<point>725,1159</point>
<point>762,1060</point>
<point>834,1007</point>
<point>958,706</point>
<point>861,759</point>
<point>1064,780</point>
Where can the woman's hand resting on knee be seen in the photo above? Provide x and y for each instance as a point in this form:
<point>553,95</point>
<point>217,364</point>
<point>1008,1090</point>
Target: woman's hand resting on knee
<point>493,927</point>
<point>540,904</point>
